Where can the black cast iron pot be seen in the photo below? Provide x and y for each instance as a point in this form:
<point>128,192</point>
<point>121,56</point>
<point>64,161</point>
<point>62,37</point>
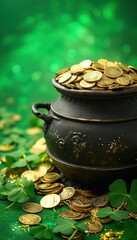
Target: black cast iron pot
<point>92,135</point>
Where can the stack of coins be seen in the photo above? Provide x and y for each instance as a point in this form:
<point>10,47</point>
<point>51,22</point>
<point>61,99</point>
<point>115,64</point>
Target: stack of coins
<point>48,184</point>
<point>99,75</point>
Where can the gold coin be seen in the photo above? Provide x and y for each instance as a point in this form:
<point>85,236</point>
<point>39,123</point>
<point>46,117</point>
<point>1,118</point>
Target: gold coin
<point>50,201</point>
<point>62,71</point>
<point>100,201</point>
<point>30,219</point>
<point>115,86</point>
<point>71,214</point>
<point>30,175</point>
<point>41,170</point>
<point>82,203</point>
<point>64,77</point>
<point>76,68</point>
<point>94,227</point>
<point>32,207</point>
<point>105,83</point>
<point>111,64</point>
<point>102,62</point>
<point>85,84</point>
<point>124,67</point>
<point>125,80</point>
<point>51,177</point>
<point>67,193</point>
<point>113,72</point>
<point>92,76</point>
<point>86,63</point>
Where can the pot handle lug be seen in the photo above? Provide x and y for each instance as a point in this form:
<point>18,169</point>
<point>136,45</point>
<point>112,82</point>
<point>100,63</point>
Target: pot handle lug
<point>41,115</point>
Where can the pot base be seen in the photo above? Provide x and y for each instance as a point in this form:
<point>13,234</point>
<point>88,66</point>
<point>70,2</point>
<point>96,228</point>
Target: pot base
<point>95,179</point>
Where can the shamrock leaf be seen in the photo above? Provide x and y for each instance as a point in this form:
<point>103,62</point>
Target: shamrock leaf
<point>41,232</point>
<point>117,215</point>
<point>20,190</point>
<point>131,205</point>
<point>104,212</point>
<point>118,193</point>
<point>19,163</point>
<point>64,226</point>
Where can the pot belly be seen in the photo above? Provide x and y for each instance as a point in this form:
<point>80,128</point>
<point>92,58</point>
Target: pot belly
<point>93,144</point>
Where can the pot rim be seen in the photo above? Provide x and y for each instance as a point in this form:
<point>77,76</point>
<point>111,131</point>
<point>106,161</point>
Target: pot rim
<point>89,93</point>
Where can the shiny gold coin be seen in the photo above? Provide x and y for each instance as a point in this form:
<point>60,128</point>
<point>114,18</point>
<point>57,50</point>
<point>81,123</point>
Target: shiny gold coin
<point>115,86</point>
<point>67,193</point>
<point>30,219</point>
<point>86,63</point>
<point>113,72</point>
<point>64,77</point>
<point>30,175</point>
<point>100,201</point>
<point>124,67</point>
<point>92,76</point>
<point>62,71</point>
<point>79,209</point>
<point>111,64</point>
<point>33,131</point>
<point>32,207</point>
<point>41,170</point>
<point>50,201</point>
<point>44,186</point>
<point>125,80</point>
<point>105,83</point>
<point>51,177</point>
<point>76,68</point>
<point>73,214</point>
<point>82,203</point>
<point>85,84</point>
<point>94,227</point>
<point>102,62</point>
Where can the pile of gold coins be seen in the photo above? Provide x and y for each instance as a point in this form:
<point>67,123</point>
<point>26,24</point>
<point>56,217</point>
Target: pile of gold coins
<point>99,75</point>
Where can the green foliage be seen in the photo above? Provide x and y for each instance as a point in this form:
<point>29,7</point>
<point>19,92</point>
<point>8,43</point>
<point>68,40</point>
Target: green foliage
<point>119,197</point>
<point>130,230</point>
<point>20,190</point>
<point>42,232</point>
<point>64,226</point>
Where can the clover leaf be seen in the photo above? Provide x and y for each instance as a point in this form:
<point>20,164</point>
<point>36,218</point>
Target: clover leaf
<point>20,190</point>
<point>64,226</point>
<point>118,193</point>
<point>41,232</point>
<point>117,215</point>
<point>131,204</point>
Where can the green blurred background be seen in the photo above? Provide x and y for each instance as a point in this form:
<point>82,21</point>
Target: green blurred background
<point>39,37</point>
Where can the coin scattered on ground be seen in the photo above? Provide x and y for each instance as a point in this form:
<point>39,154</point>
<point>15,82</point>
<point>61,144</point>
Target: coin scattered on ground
<point>30,219</point>
<point>50,201</point>
<point>30,175</point>
<point>32,207</point>
<point>67,193</point>
<point>94,226</point>
<point>99,75</point>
